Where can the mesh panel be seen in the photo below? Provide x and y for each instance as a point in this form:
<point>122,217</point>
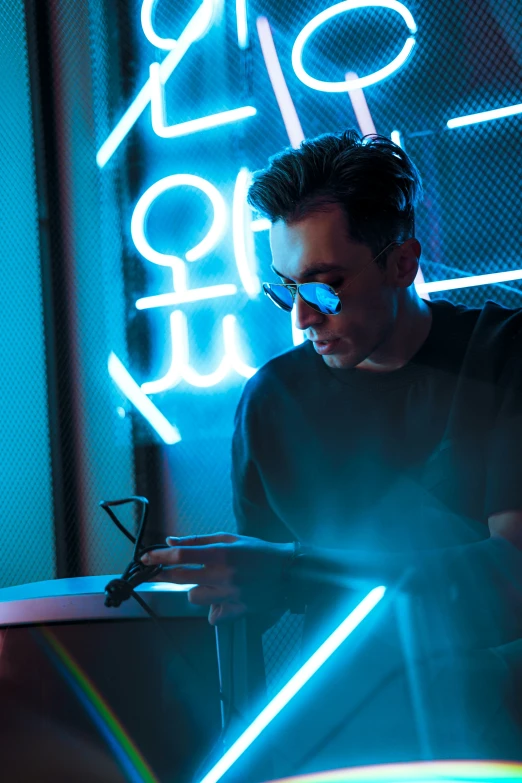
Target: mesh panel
<point>99,439</point>
<point>26,531</point>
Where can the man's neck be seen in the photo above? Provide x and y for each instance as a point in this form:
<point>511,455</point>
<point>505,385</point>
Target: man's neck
<point>411,329</point>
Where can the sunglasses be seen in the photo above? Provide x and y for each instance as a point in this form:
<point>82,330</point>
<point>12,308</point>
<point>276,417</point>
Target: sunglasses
<point>319,296</point>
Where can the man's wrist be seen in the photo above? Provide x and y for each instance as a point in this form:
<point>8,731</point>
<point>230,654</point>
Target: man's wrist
<point>292,591</point>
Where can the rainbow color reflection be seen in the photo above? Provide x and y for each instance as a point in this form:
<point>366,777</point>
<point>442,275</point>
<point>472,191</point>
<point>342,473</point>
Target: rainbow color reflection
<point>418,772</point>
<point>125,751</point>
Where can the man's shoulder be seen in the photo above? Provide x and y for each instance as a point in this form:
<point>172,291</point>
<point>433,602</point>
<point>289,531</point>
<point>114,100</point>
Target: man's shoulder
<point>491,323</point>
<point>491,335</point>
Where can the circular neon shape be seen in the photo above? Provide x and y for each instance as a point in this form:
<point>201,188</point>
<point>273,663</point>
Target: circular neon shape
<point>363,81</point>
<point>141,210</point>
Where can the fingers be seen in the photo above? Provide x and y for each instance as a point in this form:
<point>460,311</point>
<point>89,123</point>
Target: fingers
<point>190,576</point>
<point>213,538</point>
<point>193,555</point>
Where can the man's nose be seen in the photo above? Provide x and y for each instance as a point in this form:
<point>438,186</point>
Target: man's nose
<point>306,316</point>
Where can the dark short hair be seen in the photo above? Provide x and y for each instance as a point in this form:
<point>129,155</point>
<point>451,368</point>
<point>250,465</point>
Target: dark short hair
<point>370,177</point>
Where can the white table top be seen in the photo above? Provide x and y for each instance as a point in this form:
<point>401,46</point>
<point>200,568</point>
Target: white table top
<point>82,598</point>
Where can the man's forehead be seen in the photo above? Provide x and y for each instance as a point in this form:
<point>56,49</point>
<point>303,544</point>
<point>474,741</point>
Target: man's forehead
<point>312,270</point>
<point>314,246</point>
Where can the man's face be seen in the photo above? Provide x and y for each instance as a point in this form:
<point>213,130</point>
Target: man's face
<point>318,248</point>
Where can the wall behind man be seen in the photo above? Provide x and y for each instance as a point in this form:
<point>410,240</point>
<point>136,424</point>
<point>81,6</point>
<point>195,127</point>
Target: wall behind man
<point>26,514</point>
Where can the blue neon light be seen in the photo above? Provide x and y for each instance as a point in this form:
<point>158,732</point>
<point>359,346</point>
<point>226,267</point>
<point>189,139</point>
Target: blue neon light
<point>197,27</point>
<point>468,282</point>
<point>158,113</point>
<point>396,138</point>
<point>485,116</point>
<point>134,394</point>
<point>242,234</point>
<point>242,23</point>
<point>364,81</point>
<point>147,10</point>
<point>294,685</point>
<point>145,203</point>
<point>192,295</point>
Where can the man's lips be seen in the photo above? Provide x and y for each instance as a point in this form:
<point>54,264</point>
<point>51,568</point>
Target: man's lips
<point>325,346</point>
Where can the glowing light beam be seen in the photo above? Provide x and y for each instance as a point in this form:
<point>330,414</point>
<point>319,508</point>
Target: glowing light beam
<point>159,119</point>
<point>397,138</point>
<point>126,383</point>
<point>485,116</point>
<point>294,685</point>
<point>242,24</point>
<point>298,335</point>
<point>364,81</point>
<point>184,297</point>
<point>360,106</point>
<point>278,82</point>
<point>468,282</point>
<point>242,234</point>
<point>231,348</point>
<point>261,224</point>
<point>197,27</point>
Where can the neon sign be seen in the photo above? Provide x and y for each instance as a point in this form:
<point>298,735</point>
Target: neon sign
<point>238,215</point>
<point>364,81</point>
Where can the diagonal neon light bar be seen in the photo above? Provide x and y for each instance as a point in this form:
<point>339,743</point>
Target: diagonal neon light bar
<point>126,383</point>
<point>294,685</point>
<point>279,86</point>
<point>485,116</point>
<point>195,29</point>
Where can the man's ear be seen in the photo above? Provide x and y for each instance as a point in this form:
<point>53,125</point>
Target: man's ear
<point>404,262</point>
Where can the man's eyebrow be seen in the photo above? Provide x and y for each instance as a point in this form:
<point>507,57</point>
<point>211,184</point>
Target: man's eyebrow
<point>317,269</point>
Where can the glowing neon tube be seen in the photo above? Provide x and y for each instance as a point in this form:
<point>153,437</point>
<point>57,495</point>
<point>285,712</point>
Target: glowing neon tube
<point>126,383</point>
<point>261,224</point>
<point>364,81</point>
<point>485,116</point>
<point>468,282</point>
<point>397,138</point>
<point>242,234</point>
<point>242,23</point>
<point>158,112</point>
<point>294,685</point>
<point>279,86</point>
<point>360,106</point>
<point>196,28</point>
<point>147,9</point>
<point>184,297</point>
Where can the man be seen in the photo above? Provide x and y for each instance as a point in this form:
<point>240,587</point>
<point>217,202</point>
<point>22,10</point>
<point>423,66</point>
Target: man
<point>387,448</point>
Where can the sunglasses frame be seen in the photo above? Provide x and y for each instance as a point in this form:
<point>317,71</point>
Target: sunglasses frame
<point>294,288</point>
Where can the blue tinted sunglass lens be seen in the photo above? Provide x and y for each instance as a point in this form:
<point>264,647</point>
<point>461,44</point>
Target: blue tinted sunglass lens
<point>280,295</point>
<point>321,297</point>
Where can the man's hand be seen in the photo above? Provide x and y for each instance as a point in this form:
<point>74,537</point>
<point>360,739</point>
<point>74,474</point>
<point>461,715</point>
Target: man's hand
<point>236,574</point>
